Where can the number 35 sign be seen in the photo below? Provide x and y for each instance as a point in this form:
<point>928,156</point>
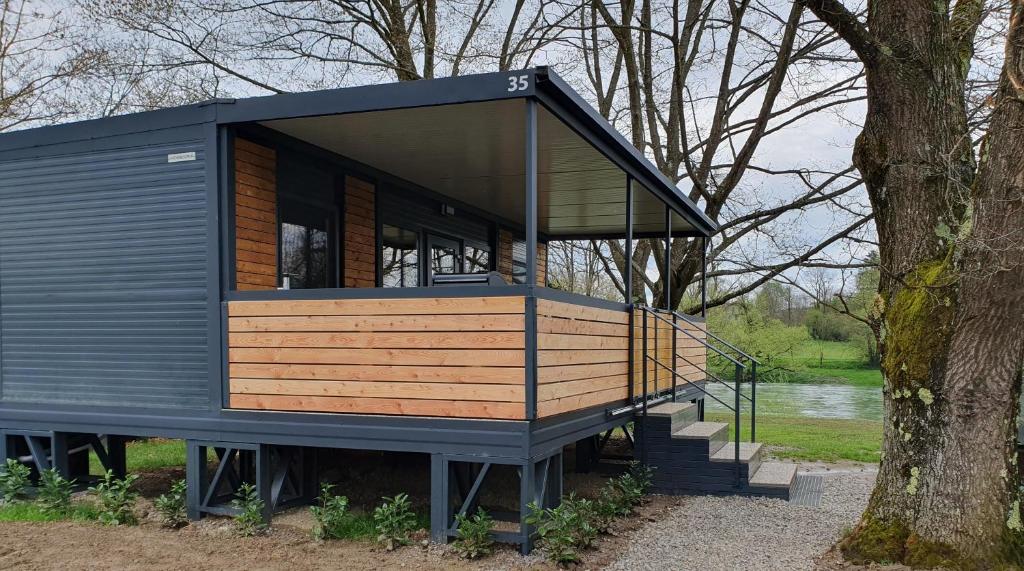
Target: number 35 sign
<point>518,83</point>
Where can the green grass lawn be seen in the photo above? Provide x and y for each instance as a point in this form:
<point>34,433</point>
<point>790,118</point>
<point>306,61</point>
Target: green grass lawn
<point>148,455</point>
<point>814,439</point>
<point>28,511</point>
<point>825,362</point>
<point>832,360</point>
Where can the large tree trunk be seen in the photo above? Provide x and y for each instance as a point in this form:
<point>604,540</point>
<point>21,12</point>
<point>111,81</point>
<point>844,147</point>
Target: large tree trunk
<point>950,310</point>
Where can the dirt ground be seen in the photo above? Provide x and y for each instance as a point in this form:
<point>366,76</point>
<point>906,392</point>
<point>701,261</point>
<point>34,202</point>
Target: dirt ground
<point>364,477</point>
<point>212,544</point>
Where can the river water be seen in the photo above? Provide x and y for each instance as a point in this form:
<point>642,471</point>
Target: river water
<point>807,400</point>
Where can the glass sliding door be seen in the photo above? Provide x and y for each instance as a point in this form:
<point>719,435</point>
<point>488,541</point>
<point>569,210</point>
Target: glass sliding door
<point>478,260</point>
<point>400,257</point>
<point>445,256</point>
<point>307,250</point>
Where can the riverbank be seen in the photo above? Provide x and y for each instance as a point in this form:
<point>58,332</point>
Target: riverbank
<point>813,439</point>
<point>817,362</point>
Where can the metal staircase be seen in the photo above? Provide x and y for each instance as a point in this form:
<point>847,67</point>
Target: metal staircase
<point>689,455</point>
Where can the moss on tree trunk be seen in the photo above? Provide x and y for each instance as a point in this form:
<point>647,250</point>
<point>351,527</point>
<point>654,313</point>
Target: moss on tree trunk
<point>950,312</point>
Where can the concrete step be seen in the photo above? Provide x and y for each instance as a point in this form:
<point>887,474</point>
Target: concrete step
<point>749,452</point>
<point>716,434</point>
<point>774,475</point>
<point>680,414</point>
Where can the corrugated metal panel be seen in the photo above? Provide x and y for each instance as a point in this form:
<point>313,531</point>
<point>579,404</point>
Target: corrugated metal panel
<point>103,278</point>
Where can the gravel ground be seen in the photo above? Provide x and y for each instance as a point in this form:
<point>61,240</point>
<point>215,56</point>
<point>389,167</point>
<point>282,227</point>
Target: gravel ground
<point>711,533</point>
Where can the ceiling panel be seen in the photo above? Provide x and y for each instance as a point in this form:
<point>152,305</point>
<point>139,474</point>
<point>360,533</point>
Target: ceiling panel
<point>474,153</point>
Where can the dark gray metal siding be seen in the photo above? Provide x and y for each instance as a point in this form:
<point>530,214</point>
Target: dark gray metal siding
<point>103,274</point>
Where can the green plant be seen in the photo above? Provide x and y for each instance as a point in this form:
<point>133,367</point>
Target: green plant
<point>554,535</point>
<point>607,507</point>
<point>329,515</point>
<point>171,506</point>
<point>394,520</point>
<point>249,520</point>
<point>14,479</point>
<point>631,486</point>
<point>474,535</point>
<point>54,496</point>
<point>565,530</point>
<point>117,499</point>
<point>581,520</point>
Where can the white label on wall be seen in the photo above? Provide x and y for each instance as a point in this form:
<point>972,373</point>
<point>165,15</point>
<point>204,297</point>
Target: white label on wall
<point>181,157</point>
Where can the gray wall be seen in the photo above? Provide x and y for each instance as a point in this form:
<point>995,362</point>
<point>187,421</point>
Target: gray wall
<point>103,273</point>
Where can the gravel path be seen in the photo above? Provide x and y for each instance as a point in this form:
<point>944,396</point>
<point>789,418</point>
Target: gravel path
<point>711,533</point>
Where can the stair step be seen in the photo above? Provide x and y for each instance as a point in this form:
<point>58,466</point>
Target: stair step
<point>774,475</point>
<point>701,430</point>
<point>680,414</point>
<point>749,451</point>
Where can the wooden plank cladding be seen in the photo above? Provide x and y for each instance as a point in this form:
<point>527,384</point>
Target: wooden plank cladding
<point>255,216</point>
<point>691,355</point>
<point>360,242</point>
<point>448,357</point>
<point>582,357</point>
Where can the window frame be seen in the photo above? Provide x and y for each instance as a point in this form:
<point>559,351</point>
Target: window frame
<point>334,237</point>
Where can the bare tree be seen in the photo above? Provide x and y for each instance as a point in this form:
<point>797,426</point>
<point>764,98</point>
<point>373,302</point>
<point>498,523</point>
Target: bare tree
<point>40,58</point>
<point>950,310</point>
<point>702,86</point>
<point>287,45</point>
<point>578,266</point>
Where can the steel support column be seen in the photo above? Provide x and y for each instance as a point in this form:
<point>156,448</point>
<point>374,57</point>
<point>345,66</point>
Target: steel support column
<point>530,221</point>
<point>458,481</point>
<point>704,277</point>
<point>628,276</point>
<point>627,279</point>
<point>282,476</point>
<point>668,258</point>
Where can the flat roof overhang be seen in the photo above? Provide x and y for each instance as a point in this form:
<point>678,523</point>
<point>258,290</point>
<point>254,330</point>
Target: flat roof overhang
<point>464,137</point>
<point>478,121</point>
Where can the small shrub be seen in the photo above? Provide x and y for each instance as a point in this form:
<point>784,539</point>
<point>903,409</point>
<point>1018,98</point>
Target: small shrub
<point>643,476</point>
<point>393,521</point>
<point>14,480</point>
<point>117,499</point>
<point>329,515</point>
<point>554,534</point>
<point>171,506</point>
<point>607,507</point>
<point>581,520</point>
<point>54,496</point>
<point>631,486</point>
<point>249,520</point>
<point>474,535</point>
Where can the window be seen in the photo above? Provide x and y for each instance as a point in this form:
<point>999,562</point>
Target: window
<point>477,260</point>
<point>519,261</point>
<point>399,257</point>
<point>306,245</point>
<point>445,256</point>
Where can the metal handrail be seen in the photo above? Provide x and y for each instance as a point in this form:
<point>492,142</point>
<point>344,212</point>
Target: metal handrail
<point>742,354</point>
<point>675,375</point>
<point>654,312</point>
<point>658,362</point>
<point>753,369</point>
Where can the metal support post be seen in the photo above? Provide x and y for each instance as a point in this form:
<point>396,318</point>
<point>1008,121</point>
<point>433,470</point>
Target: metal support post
<point>531,192</point>
<point>704,277</point>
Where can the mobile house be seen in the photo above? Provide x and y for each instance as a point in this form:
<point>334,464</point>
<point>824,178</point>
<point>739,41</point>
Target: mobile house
<point>359,268</point>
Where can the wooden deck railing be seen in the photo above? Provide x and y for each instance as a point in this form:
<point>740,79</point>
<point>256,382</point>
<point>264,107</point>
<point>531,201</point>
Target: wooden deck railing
<point>458,357</point>
<point>690,358</point>
<point>452,357</point>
